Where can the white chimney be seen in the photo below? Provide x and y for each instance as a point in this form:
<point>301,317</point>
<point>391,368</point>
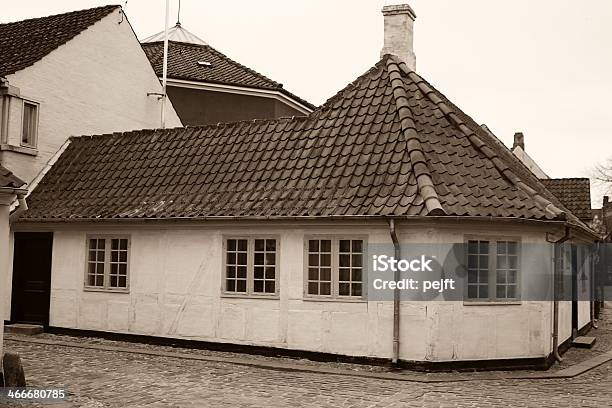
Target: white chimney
<point>399,33</point>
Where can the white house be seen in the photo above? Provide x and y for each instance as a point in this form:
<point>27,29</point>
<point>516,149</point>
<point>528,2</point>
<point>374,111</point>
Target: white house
<point>82,72</point>
<point>261,233</point>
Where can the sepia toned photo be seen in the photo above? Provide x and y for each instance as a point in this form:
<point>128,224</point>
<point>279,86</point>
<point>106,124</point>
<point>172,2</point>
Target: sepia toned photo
<point>305,203</point>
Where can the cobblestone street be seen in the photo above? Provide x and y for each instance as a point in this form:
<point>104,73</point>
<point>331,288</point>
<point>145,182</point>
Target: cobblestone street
<point>95,378</point>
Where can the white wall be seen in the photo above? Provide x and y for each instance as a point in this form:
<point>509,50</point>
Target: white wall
<point>95,83</point>
<point>5,201</point>
<point>175,286</point>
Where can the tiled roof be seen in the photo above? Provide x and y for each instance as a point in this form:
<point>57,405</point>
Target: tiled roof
<point>8,179</point>
<point>388,144</point>
<point>183,64</point>
<point>574,193</point>
<point>22,43</point>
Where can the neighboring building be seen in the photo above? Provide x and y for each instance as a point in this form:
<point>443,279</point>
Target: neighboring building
<point>10,188</point>
<point>257,232</point>
<point>76,73</point>
<point>574,193</point>
<point>518,148</point>
<point>207,87</point>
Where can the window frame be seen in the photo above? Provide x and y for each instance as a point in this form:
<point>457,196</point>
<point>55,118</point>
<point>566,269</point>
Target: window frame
<point>34,142</point>
<point>107,263</point>
<point>335,268</point>
<point>250,279</point>
<point>492,299</point>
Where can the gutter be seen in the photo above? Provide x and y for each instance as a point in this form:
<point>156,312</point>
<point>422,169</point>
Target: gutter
<point>555,333</point>
<point>396,295</point>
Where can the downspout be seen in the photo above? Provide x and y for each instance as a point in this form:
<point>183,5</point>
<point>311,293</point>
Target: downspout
<point>555,334</point>
<point>396,295</point>
<point>23,206</point>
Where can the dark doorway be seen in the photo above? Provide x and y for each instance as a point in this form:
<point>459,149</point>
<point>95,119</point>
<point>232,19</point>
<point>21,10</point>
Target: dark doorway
<point>574,292</point>
<point>31,277</point>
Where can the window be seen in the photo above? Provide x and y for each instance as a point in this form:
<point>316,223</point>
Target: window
<point>107,263</point>
<point>251,266</point>
<point>29,124</point>
<point>334,268</point>
<point>493,270</point>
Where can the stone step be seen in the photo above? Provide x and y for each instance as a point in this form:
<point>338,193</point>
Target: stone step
<point>584,342</point>
<point>23,328</point>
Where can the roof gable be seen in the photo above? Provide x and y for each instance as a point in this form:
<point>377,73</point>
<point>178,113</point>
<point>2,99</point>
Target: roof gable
<point>183,63</point>
<point>388,144</point>
<point>22,43</point>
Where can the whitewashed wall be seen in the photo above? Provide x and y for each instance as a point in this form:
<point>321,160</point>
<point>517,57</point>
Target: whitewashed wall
<point>175,287</point>
<point>95,83</point>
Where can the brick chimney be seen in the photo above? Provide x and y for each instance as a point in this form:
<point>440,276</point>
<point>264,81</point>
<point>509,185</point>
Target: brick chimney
<point>399,33</point>
<point>519,140</point>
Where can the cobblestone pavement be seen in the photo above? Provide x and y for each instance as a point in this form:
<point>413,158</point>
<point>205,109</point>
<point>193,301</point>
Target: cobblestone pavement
<point>99,378</point>
<point>96,378</point>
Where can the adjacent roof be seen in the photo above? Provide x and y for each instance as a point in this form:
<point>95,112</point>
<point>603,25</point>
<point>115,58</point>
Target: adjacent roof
<point>574,193</point>
<point>176,33</point>
<point>388,144</point>
<point>8,179</point>
<point>183,63</point>
<point>22,43</point>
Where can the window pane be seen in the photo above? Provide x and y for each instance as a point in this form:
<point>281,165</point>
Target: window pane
<point>242,244</point>
<point>325,245</point>
<point>344,289</point>
<point>259,244</point>
<point>241,285</point>
<point>270,258</point>
<point>325,274</point>
<point>326,260</point>
<point>345,245</point>
<point>345,260</point>
<point>271,245</point>
<point>259,258</point>
<point>270,286</point>
<point>325,288</point>
<point>313,245</point>
<point>313,288</point>
<point>270,272</point>
<point>258,286</point>
<point>29,123</point>
<point>258,272</point>
<point>357,245</point>
<point>313,274</point>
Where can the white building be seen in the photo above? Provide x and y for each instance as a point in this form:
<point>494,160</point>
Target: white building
<point>76,73</point>
<point>260,233</point>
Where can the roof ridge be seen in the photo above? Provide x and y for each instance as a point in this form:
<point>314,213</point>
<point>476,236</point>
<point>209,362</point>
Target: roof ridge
<point>502,167</point>
<point>198,127</point>
<point>109,6</point>
<point>415,149</point>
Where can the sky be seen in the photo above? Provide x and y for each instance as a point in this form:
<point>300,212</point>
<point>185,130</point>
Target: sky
<point>540,67</point>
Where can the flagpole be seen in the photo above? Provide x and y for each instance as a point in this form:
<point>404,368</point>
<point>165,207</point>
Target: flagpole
<point>165,68</point>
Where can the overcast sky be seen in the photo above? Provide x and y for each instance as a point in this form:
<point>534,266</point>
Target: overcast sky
<point>541,67</point>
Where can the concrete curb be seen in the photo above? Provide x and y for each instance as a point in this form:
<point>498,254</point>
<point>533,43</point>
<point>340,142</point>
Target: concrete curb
<point>570,372</point>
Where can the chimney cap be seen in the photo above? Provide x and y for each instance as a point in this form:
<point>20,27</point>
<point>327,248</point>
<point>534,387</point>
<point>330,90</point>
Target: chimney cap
<point>398,9</point>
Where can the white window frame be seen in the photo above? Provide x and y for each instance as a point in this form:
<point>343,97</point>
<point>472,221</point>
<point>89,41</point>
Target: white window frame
<point>107,262</point>
<point>335,269</point>
<point>33,143</point>
<point>492,270</point>
<point>250,279</point>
